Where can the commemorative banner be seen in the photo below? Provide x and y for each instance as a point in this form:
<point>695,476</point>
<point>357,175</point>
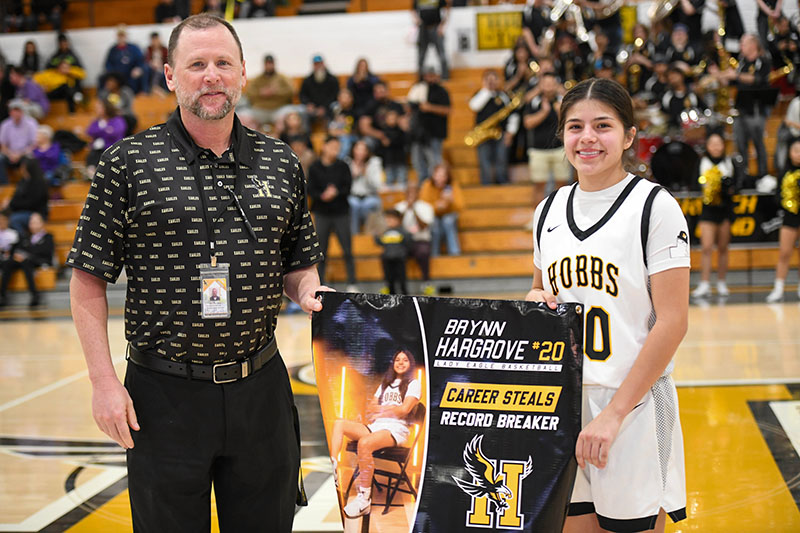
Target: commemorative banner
<point>449,414</point>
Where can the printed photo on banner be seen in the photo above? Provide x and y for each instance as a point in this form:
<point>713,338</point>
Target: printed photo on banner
<point>448,414</point>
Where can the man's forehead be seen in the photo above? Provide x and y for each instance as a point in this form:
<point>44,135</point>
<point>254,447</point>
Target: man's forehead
<point>192,41</point>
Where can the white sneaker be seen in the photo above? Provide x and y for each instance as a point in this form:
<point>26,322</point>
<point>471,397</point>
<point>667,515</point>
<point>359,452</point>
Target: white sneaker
<point>702,290</point>
<point>775,296</point>
<point>335,466</point>
<point>722,289</point>
<point>358,506</point>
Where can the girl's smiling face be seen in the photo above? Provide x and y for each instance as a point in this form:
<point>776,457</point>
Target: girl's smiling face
<point>594,141</point>
<point>401,363</point>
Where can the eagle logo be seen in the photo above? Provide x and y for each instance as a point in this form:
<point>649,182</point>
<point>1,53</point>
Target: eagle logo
<point>486,482</point>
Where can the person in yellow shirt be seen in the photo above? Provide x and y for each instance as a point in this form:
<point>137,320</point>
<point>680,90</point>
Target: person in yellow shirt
<point>270,94</point>
<point>447,200</point>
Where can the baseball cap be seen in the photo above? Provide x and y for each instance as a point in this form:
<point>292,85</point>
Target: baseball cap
<point>317,59</point>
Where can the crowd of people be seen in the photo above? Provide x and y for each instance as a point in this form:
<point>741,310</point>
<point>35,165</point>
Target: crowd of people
<point>679,77</point>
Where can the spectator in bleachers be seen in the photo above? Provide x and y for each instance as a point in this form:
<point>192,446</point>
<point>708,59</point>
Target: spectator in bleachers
<point>156,56</point>
<point>361,85</point>
<point>717,181</point>
<point>270,94</point>
<point>127,60</point>
<point>53,161</point>
<point>17,138</point>
<point>214,7</point>
<point>493,153</point>
<point>447,200</point>
<point>367,181</point>
<point>418,217</point>
<point>769,11</point>
<point>679,98</point>
<point>107,128</point>
<point>394,154</point>
<point>252,9</point>
<point>789,202</point>
<point>431,103</point>
<point>319,90</point>
<point>30,196</point>
<point>48,12</point>
<point>30,62</point>
<point>35,249</point>
<point>31,93</point>
<point>166,11</point>
<point>430,17</point>
<point>370,124</point>
<point>16,17</point>
<point>546,158</point>
<point>656,86</point>
<point>680,51</point>
<point>788,130</point>
<point>63,53</point>
<point>62,82</point>
<point>343,121</point>
<point>785,50</point>
<point>752,81</point>
<point>8,238</point>
<point>121,97</point>
<point>395,242</point>
<point>329,182</point>
<point>293,130</point>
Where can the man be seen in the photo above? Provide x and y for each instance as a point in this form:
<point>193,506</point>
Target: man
<point>127,60</point>
<point>493,153</point>
<point>185,206</point>
<point>545,150</point>
<point>31,93</point>
<point>680,51</point>
<point>319,90</point>
<point>270,94</point>
<point>689,13</point>
<point>329,181</point>
<point>431,18</point>
<point>373,121</point>
<point>17,138</point>
<point>679,99</point>
<point>752,98</point>
<point>432,108</point>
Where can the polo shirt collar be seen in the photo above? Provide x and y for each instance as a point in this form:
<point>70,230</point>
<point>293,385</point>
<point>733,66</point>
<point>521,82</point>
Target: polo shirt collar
<point>241,142</point>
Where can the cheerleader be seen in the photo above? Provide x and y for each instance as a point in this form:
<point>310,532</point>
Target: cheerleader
<point>716,179</point>
<point>789,198</point>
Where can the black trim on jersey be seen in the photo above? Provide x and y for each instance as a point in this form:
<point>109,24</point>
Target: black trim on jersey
<point>623,526</point>
<point>648,207</point>
<point>580,508</point>
<point>545,208</point>
<point>583,235</point>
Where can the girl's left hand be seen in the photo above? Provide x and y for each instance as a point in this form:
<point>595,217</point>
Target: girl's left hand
<point>594,442</point>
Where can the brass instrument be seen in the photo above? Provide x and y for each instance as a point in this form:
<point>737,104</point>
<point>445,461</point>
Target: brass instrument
<point>779,73</point>
<point>726,61</point>
<point>489,128</point>
<point>634,72</point>
<point>790,192</point>
<point>660,9</point>
<point>561,7</point>
<point>711,181</point>
<point>606,11</point>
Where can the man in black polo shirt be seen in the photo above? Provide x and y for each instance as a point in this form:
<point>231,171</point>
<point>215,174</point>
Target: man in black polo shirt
<point>197,204</point>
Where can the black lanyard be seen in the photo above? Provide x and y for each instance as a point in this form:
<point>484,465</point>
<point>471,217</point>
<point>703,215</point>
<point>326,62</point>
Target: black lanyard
<point>209,221</point>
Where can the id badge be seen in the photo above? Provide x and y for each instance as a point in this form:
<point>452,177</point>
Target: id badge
<point>216,301</point>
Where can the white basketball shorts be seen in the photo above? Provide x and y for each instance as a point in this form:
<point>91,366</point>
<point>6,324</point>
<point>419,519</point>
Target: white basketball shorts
<point>645,471</point>
<point>397,428</point>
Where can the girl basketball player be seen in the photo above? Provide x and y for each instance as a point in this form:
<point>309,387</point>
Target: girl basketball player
<point>788,198</point>
<point>619,245</point>
<point>716,178</point>
<point>395,398</point>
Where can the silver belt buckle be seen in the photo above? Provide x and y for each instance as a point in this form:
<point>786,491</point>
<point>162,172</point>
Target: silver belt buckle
<point>219,365</point>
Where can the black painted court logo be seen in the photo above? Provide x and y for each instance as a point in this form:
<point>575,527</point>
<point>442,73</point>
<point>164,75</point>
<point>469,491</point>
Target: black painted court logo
<point>496,488</point>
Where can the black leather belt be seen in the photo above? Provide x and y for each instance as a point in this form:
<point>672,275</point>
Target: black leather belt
<point>218,373</point>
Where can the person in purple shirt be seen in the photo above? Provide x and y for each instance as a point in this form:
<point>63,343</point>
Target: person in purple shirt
<point>17,137</point>
<point>105,130</point>
<point>30,92</point>
<point>128,60</point>
<point>51,158</point>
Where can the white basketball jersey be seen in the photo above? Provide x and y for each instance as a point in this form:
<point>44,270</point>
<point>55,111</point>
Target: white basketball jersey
<point>602,266</point>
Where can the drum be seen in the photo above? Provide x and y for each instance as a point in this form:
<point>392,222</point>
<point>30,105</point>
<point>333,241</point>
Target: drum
<point>675,165</point>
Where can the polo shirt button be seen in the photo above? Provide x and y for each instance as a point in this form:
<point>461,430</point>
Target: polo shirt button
<point>219,183</point>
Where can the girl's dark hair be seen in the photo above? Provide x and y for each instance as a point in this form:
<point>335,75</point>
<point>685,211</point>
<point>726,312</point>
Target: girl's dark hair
<point>33,170</point>
<point>609,92</point>
<point>353,149</point>
<point>390,375</point>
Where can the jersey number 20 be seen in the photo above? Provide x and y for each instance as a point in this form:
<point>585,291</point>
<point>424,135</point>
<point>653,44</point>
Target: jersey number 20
<point>597,341</point>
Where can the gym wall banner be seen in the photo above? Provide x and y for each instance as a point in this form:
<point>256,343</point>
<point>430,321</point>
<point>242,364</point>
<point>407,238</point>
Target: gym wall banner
<point>464,412</point>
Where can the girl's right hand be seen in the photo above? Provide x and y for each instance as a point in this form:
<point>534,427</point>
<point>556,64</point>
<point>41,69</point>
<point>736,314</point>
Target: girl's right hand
<point>541,295</point>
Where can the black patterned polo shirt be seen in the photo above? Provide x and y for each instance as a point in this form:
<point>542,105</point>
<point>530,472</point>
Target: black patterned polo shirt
<point>145,212</point>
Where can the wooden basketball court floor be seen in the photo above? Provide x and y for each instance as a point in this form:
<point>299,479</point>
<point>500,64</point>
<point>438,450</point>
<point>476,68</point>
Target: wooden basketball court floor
<point>738,372</point>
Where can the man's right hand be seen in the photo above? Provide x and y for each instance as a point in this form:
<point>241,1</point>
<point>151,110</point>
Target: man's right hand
<point>113,412</point>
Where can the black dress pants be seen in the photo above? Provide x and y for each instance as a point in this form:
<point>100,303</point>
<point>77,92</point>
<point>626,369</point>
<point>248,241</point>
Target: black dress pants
<point>239,436</point>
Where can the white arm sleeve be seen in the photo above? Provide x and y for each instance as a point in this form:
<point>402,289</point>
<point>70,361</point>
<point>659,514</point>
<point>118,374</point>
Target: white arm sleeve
<point>480,99</point>
<point>668,238</point>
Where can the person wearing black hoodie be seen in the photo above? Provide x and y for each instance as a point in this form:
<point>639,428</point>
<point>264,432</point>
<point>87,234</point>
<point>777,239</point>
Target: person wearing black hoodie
<point>34,250</point>
<point>30,196</point>
<point>319,90</point>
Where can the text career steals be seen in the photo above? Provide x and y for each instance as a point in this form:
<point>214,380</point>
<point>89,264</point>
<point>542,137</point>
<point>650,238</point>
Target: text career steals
<point>497,397</point>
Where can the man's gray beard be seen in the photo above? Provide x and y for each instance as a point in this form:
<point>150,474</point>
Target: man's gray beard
<point>193,105</point>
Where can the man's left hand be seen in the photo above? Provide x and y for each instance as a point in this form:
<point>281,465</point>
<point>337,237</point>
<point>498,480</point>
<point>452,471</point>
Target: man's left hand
<point>309,302</point>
